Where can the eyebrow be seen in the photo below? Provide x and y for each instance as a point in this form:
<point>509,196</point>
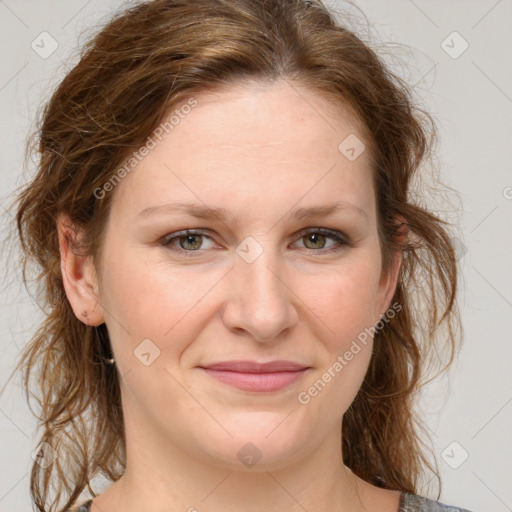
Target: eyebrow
<point>202,211</point>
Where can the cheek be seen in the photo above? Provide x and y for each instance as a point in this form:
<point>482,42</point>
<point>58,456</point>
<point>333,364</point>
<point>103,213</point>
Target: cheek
<point>345,307</point>
<point>153,300</point>
<point>351,308</point>
<point>141,301</point>
<point>346,300</point>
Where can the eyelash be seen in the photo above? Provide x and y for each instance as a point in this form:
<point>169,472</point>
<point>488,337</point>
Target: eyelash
<point>340,238</point>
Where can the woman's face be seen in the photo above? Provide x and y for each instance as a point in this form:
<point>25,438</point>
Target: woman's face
<point>250,283</point>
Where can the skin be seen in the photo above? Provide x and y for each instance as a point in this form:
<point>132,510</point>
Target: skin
<point>260,152</point>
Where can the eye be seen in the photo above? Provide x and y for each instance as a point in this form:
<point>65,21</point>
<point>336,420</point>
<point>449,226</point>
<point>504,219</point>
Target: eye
<point>191,241</point>
<point>188,241</point>
<point>316,240</point>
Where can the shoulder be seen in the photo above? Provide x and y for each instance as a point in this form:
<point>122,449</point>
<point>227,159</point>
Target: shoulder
<point>415,503</point>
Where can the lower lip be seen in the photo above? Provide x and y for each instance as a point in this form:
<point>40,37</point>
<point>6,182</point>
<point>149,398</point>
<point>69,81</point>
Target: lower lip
<point>258,382</point>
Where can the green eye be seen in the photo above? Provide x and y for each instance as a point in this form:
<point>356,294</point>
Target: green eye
<point>189,240</point>
<point>316,240</point>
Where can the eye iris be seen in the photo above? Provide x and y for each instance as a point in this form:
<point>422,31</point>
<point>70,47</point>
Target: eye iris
<point>188,239</point>
<point>316,237</point>
<point>192,241</point>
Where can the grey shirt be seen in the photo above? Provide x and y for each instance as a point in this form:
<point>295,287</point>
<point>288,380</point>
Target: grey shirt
<point>408,503</point>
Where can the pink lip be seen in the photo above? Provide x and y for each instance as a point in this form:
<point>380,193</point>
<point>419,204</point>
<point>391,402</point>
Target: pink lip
<point>252,376</point>
<point>254,367</point>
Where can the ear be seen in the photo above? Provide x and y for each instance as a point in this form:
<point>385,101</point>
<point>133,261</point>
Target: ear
<point>78,275</point>
<point>389,280</point>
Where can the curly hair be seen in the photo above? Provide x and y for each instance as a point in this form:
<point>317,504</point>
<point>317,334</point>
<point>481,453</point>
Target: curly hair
<point>146,60</point>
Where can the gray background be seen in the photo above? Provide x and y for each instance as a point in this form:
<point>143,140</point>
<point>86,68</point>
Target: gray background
<point>470,96</point>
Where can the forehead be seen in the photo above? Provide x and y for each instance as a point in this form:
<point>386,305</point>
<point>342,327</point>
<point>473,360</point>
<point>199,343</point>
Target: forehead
<point>266,115</point>
<point>250,145</point>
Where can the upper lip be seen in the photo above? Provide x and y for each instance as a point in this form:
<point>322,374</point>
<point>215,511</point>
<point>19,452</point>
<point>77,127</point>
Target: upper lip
<point>254,367</point>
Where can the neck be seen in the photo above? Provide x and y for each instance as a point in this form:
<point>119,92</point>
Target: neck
<point>161,476</point>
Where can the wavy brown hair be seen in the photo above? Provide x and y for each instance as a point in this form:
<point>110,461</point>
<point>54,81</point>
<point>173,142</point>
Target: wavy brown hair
<point>142,63</point>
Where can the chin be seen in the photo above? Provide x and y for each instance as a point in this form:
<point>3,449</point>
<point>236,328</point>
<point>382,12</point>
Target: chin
<point>260,442</point>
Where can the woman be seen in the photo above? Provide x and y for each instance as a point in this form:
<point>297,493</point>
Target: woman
<point>231,263</point>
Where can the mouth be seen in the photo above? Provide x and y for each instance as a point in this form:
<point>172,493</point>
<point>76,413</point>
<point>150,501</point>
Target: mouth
<point>256,377</point>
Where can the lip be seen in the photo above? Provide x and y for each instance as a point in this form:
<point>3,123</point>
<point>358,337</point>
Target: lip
<point>246,366</point>
<point>256,377</point>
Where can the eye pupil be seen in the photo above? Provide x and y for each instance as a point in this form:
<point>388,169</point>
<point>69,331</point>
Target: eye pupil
<point>316,239</point>
<point>189,239</point>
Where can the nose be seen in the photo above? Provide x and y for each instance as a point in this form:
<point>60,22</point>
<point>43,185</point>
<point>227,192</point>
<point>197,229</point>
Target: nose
<point>260,301</point>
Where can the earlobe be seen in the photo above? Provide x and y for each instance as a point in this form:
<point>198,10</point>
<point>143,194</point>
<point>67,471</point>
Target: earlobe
<point>78,275</point>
